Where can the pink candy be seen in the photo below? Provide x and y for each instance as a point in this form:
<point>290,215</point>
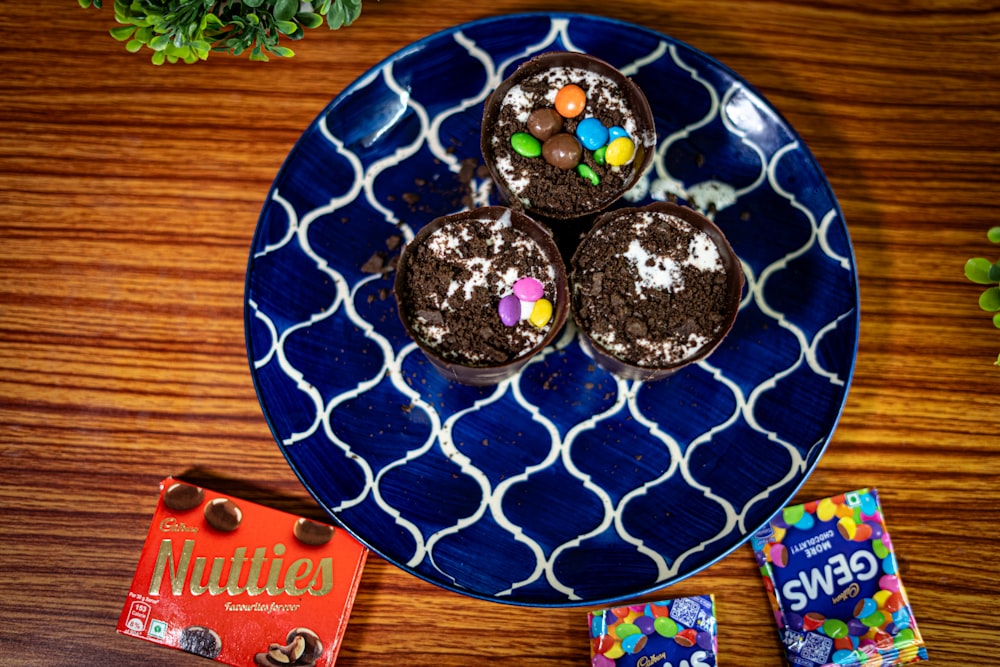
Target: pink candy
<point>528,289</point>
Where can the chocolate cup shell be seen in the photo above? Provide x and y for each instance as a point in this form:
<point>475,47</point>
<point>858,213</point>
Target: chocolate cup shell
<point>645,143</point>
<point>734,291</point>
<point>493,374</point>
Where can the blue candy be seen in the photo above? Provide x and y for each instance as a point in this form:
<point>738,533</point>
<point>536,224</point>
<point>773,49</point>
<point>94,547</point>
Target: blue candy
<point>592,133</point>
<point>617,131</point>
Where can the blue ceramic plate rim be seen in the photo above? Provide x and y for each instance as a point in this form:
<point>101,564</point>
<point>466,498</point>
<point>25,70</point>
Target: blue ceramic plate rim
<point>323,496</point>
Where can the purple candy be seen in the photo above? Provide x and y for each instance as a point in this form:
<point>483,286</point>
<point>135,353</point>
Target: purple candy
<point>510,310</point>
<point>793,621</point>
<point>856,628</point>
<point>705,641</point>
<point>876,529</point>
<point>528,289</point>
<point>645,624</point>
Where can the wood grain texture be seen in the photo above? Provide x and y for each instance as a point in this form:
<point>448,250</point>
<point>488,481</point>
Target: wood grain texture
<point>128,199</point>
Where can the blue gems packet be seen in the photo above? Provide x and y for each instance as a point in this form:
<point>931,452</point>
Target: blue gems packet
<point>833,581</point>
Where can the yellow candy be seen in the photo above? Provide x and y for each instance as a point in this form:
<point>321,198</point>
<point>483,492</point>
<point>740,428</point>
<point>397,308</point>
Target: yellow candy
<point>615,651</point>
<point>880,597</point>
<point>620,151</point>
<point>847,527</point>
<point>826,510</point>
<point>541,313</point>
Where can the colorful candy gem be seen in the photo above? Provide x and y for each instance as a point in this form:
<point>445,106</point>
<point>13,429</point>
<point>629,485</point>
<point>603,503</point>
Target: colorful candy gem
<point>562,150</point>
<point>616,131</point>
<point>834,627</point>
<point>525,144</point>
<point>620,151</point>
<point>599,154</point>
<point>592,133</point>
<point>528,289</point>
<point>543,123</point>
<point>541,314</point>
<point>570,101</point>
<point>588,173</point>
<point>665,626</point>
<point>510,310</point>
<point>634,643</point>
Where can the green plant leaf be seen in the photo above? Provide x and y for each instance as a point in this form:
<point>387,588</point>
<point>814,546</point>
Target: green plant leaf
<point>122,33</point>
<point>994,234</point>
<point>84,3</point>
<point>309,19</point>
<point>990,299</point>
<point>977,270</point>
<point>159,43</point>
<point>283,51</point>
<point>996,320</point>
<point>286,27</point>
<point>284,10</point>
<point>994,273</point>
<point>133,46</point>
<point>159,57</point>
<point>336,17</point>
<point>253,3</point>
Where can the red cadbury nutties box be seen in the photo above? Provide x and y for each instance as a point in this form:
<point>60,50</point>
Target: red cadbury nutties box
<point>240,583</point>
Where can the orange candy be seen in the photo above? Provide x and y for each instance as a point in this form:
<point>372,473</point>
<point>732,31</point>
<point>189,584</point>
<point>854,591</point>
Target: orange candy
<point>570,101</point>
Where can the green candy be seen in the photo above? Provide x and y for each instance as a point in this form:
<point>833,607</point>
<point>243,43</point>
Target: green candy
<point>525,144</point>
<point>599,154</point>
<point>665,627</point>
<point>792,515</point>
<point>835,628</point>
<point>879,548</point>
<point>874,620</point>
<point>624,630</point>
<point>588,173</point>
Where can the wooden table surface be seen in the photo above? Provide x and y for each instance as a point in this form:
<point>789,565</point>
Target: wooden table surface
<point>128,198</point>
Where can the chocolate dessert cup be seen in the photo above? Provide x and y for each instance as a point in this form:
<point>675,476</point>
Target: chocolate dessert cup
<point>566,135</point>
<point>481,292</point>
<point>654,289</point>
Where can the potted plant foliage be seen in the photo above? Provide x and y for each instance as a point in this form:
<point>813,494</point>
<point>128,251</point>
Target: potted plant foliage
<point>189,30</point>
<point>983,271</point>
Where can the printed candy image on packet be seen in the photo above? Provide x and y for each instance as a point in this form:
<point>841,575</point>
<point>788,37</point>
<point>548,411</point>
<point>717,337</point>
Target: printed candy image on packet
<point>832,578</point>
<point>670,633</point>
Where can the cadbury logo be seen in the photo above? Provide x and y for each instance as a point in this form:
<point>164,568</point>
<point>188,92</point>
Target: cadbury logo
<point>697,659</point>
<point>838,572</point>
<point>238,574</point>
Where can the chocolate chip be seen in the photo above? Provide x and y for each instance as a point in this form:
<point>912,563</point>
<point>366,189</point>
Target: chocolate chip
<point>201,641</point>
<point>223,514</point>
<point>311,532</point>
<point>180,496</point>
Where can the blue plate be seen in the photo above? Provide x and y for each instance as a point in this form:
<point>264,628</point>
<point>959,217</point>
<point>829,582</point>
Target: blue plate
<point>563,486</point>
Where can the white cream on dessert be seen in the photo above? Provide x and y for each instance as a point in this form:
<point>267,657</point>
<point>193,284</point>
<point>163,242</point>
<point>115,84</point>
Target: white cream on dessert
<point>449,245</point>
<point>661,272</point>
<point>601,91</point>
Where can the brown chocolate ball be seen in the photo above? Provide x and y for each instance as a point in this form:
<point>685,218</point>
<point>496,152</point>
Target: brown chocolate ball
<point>543,123</point>
<point>562,150</point>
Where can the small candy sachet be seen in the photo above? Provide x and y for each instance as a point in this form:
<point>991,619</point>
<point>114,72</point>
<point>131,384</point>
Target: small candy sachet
<point>832,578</point>
<point>671,632</point>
